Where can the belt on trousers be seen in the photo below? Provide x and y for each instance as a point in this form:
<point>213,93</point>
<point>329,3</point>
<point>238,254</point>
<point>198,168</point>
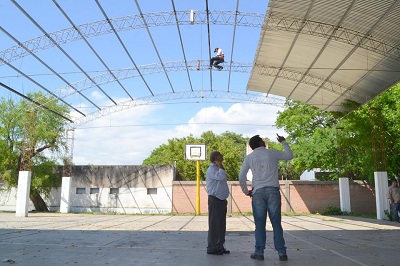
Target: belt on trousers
<point>216,198</point>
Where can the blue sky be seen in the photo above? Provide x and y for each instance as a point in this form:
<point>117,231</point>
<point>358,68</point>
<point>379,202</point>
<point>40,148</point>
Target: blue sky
<point>129,136</point>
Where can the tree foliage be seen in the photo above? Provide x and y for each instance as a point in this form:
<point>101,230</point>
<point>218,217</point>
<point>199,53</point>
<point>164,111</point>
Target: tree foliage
<point>47,135</point>
<point>351,144</point>
<point>231,145</point>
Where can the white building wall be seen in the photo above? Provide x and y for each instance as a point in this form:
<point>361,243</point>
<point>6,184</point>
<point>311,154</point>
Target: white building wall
<point>127,201</point>
<point>132,197</point>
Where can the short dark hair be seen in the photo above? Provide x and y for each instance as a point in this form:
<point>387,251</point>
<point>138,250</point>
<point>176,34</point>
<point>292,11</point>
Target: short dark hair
<point>254,141</point>
<point>213,155</point>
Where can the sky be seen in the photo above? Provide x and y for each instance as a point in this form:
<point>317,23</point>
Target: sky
<point>128,137</point>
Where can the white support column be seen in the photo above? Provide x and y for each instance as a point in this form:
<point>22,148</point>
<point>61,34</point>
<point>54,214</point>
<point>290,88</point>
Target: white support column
<point>65,194</point>
<point>24,186</point>
<point>287,196</point>
<point>381,190</point>
<point>229,207</point>
<point>344,188</point>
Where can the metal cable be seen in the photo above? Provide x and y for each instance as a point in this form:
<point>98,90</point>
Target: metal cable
<point>233,43</point>
<point>180,38</point>
<point>209,42</point>
<point>33,101</point>
<point>90,46</point>
<point>40,85</point>
<point>123,45</point>
<point>59,47</point>
<point>154,45</point>
<point>47,66</point>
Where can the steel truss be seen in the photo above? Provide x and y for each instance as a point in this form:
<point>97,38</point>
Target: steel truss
<point>149,69</point>
<point>339,34</point>
<point>102,27</point>
<point>192,65</point>
<point>327,85</point>
<point>69,152</point>
<point>169,18</point>
<point>236,96</point>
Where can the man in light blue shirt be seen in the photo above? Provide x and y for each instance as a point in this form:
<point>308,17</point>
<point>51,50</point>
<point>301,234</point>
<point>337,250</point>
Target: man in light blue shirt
<point>265,193</point>
<point>218,192</point>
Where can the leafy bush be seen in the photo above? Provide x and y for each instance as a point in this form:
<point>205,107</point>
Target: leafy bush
<point>389,215</point>
<point>332,210</point>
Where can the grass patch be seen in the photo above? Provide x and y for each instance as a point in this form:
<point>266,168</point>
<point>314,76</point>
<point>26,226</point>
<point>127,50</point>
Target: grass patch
<point>333,210</point>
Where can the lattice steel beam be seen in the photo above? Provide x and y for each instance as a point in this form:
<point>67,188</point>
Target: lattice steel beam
<point>69,152</point>
<point>28,142</point>
<point>176,66</point>
<point>340,34</point>
<point>216,17</point>
<point>290,74</point>
<point>132,22</point>
<point>259,98</point>
<point>149,69</point>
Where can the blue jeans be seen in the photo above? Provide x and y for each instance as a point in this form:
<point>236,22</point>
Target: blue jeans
<point>268,199</point>
<point>395,207</point>
<point>216,61</point>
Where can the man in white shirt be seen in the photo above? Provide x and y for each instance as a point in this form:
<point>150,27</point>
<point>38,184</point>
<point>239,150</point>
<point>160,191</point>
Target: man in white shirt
<point>265,194</point>
<point>218,192</point>
<point>217,59</point>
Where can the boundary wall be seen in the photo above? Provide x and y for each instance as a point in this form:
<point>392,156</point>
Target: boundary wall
<point>151,190</point>
<point>297,196</point>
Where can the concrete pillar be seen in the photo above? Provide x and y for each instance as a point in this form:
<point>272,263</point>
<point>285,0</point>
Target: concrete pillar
<point>229,207</point>
<point>287,196</point>
<point>65,194</point>
<point>344,188</point>
<point>381,190</point>
<point>24,186</point>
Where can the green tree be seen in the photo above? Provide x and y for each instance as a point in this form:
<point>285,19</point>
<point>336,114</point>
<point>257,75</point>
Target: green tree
<point>231,145</point>
<point>353,144</point>
<point>311,135</point>
<point>47,135</point>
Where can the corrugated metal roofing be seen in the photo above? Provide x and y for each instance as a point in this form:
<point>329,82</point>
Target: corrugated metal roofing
<point>325,52</point>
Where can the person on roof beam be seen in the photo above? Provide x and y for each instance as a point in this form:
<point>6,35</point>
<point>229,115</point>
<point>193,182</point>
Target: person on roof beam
<point>217,59</point>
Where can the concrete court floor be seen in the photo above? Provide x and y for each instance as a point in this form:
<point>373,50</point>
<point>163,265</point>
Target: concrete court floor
<point>96,239</point>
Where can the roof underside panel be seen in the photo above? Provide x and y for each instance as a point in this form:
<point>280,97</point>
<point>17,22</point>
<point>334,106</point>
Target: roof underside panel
<point>324,53</point>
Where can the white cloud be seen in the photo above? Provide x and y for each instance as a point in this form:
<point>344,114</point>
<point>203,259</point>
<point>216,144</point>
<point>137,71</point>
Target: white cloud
<point>97,95</point>
<point>245,119</point>
<point>128,137</point>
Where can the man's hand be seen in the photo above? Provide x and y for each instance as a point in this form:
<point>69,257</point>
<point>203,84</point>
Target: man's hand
<point>250,194</point>
<point>279,138</point>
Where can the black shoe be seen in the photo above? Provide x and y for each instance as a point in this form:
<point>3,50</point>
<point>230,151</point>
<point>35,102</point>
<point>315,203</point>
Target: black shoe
<point>226,251</point>
<point>257,257</point>
<point>216,252</point>
<point>283,257</point>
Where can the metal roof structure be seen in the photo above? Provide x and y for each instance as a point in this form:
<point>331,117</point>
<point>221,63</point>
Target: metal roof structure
<point>89,55</point>
<point>326,52</point>
<point>319,52</point>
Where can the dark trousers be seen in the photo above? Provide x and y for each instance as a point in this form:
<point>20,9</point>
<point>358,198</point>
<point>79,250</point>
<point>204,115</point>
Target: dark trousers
<point>216,60</point>
<point>216,223</point>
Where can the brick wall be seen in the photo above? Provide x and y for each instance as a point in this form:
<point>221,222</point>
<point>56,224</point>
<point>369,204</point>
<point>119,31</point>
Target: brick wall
<point>297,196</point>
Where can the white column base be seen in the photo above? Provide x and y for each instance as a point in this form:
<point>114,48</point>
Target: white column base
<point>344,188</point>
<point>23,190</point>
<point>381,190</point>
<point>65,194</point>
